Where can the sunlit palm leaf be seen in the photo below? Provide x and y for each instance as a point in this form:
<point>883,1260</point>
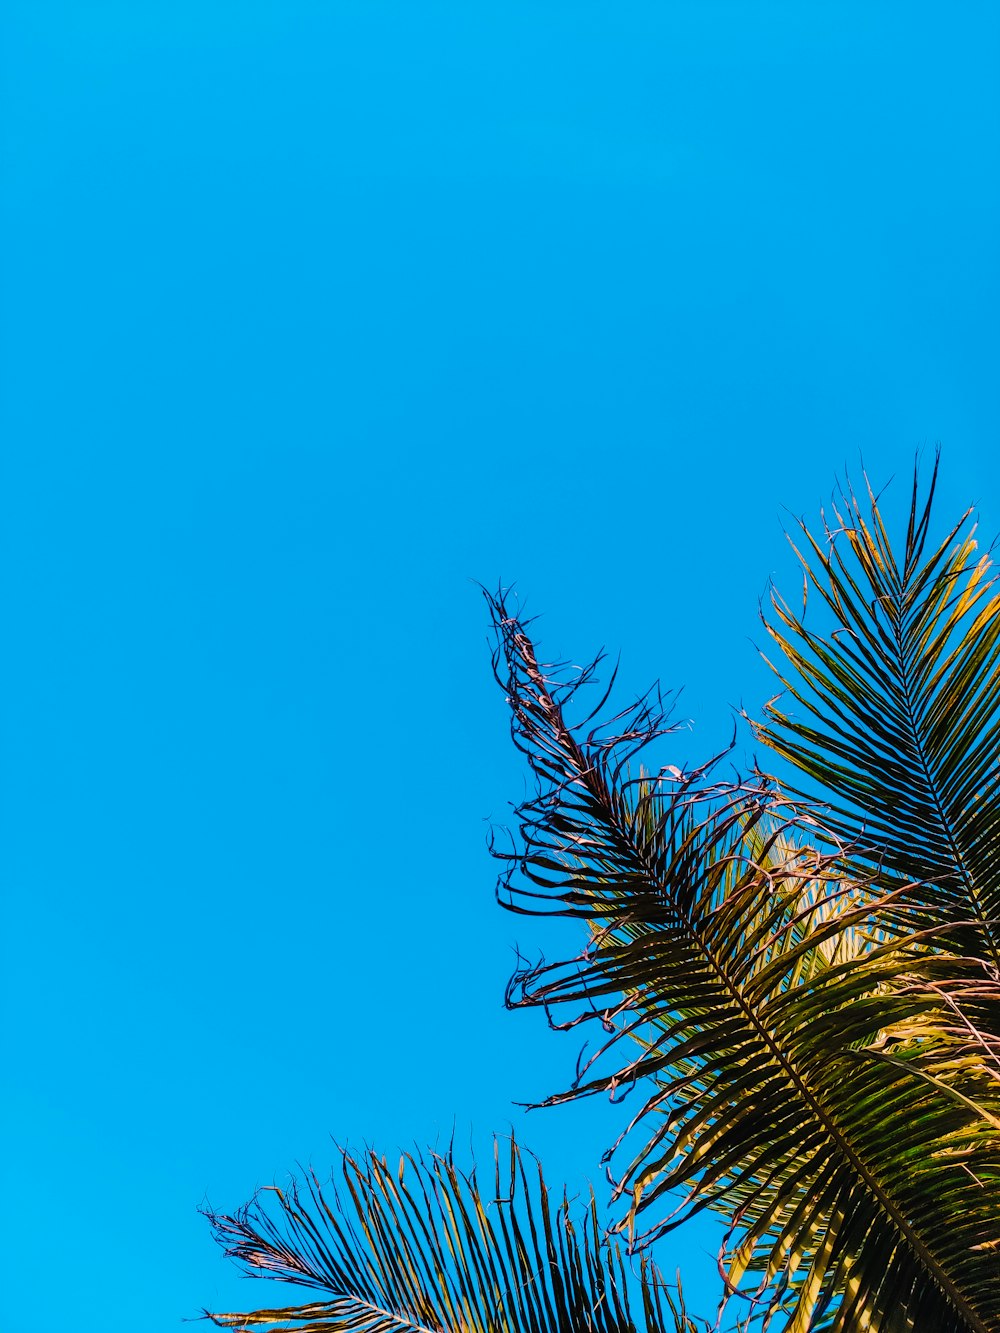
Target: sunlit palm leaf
<point>421,1249</point>
<point>824,1080</point>
<point>894,709</point>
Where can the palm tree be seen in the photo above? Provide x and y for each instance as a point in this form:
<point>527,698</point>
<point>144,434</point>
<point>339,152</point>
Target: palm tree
<point>421,1248</point>
<point>800,980</point>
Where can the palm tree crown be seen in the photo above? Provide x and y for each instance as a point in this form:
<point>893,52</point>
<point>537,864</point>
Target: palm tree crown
<point>802,980</point>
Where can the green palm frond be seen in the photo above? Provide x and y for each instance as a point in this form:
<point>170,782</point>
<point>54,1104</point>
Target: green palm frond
<point>421,1249</point>
<point>894,718</point>
<point>820,1076</point>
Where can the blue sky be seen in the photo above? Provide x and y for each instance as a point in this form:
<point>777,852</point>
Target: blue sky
<point>314,314</point>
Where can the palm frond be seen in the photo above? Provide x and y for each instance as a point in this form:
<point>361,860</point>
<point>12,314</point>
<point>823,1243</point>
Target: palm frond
<point>893,716</point>
<point>820,1077</point>
<point>422,1249</point>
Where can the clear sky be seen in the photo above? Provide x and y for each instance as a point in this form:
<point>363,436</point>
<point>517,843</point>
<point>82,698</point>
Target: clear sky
<point>312,315</point>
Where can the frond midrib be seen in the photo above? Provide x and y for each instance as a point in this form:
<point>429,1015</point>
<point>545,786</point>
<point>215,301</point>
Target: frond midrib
<point>816,1106</point>
<point>588,774</point>
<point>958,852</point>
